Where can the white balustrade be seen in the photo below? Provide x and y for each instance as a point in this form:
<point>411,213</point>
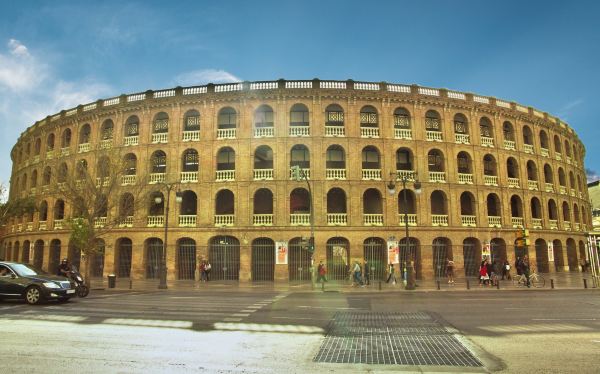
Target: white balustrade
<point>263,86</point>
<point>61,185</point>
<point>456,95</point>
<point>544,152</point>
<point>373,219</point>
<point>106,143</point>
<point>102,182</point>
<point>465,178</point>
<point>366,86</point>
<point>468,221</point>
<point>100,222</point>
<point>299,130</point>
<point>164,93</point>
<point>65,151</point>
<point>161,137</point>
<point>89,107</point>
<point>462,138</point>
<point>50,154</point>
<point>298,84</point>
<point>188,220</point>
<point>109,102</point>
<point>29,226</point>
<point>262,220</point>
<point>437,176</point>
<point>439,220</point>
<point>487,141</point>
<point>157,178</point>
<point>549,187</point>
<point>189,136</point>
<point>304,172</point>
<point>398,88</point>
<point>490,180</point>
<point>131,140</point>
<point>300,219</point>
<point>567,225</point>
<point>532,185</point>
<point>558,156</point>
<point>569,160</point>
<point>264,132</point>
<point>335,131</point>
<point>36,159</point>
<point>408,175</point>
<point>481,99</point>
<point>403,134</point>
<point>562,190</point>
<point>263,174</point>
<point>189,176</point>
<point>156,221</point>
<point>58,224</point>
<point>429,91</point>
<point>537,223</point>
<point>226,133</point>
<point>503,104</point>
<point>136,97</point>
<point>528,148</point>
<point>126,222</point>
<point>576,226</point>
<point>573,193</point>
<point>337,219</point>
<point>412,219</point>
<point>369,132</point>
<point>510,145</point>
<point>371,174</point>
<point>553,224</point>
<point>513,182</point>
<point>433,136</point>
<point>332,85</point>
<point>517,222</point>
<point>335,173</point>
<point>128,180</point>
<point>194,90</point>
<point>495,221</point>
<point>43,225</point>
<point>225,175</point>
<point>228,87</point>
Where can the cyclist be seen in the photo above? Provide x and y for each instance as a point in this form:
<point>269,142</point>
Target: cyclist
<point>526,269</point>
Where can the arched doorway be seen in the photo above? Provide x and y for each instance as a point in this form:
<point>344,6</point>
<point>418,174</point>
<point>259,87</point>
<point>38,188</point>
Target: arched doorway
<point>154,248</point>
<point>123,257</point>
<point>375,252</point>
<point>186,259</point>
<point>224,257</point>
<point>541,256</point>
<point>559,262</point>
<point>299,260</point>
<point>54,260</point>
<point>263,260</point>
<point>497,250</point>
<point>572,255</point>
<point>97,259</point>
<point>471,256</point>
<point>442,250</point>
<point>38,253</point>
<point>338,260</point>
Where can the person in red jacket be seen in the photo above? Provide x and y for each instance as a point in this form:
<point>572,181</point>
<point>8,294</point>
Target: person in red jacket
<point>322,272</point>
<point>483,274</point>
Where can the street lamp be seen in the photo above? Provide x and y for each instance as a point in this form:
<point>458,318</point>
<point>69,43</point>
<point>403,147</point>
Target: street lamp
<point>391,186</point>
<point>299,174</point>
<point>163,256</point>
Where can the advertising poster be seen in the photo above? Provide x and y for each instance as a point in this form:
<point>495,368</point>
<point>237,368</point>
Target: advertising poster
<point>550,251</point>
<point>393,252</point>
<point>281,253</point>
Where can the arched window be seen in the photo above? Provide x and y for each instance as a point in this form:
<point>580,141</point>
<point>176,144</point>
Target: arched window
<point>47,177</point>
<point>66,138</point>
<point>43,211</point>
<point>225,203</point>
<point>106,132</point>
<point>489,166</point>
<point>439,208</point>
<point>226,123</point>
<point>532,174</point>
<point>544,143</point>
<point>334,120</point>
<point>34,177</point>
<point>404,159</point>
<point>191,122</point>
<point>156,209</point>
<point>299,116</point>
<point>464,165</point>
<point>299,202</point>
<point>225,164</point>
<point>435,161</point>
<point>528,138</point>
<point>59,210</point>
<point>300,156</point>
<point>508,131</point>
<point>63,173</point>
<point>37,148</point>
<point>190,161</point>
<point>461,125</point>
<point>369,122</point>
<point>103,168</point>
<point>371,163</point>
<point>548,176</point>
<point>516,206</point>
<point>486,131</point>
<point>536,208</point>
<point>512,168</point>
<point>160,128</point>
<point>85,134</point>
<point>263,161</point>
<point>263,207</point>
<point>372,207</point>
<point>557,146</point>
<point>566,211</point>
<point>467,209</point>
<point>552,210</point>
<point>188,208</point>
<point>264,122</point>
<point>126,209</point>
<point>493,207</point>
<point>335,162</point>
<point>336,206</point>
<point>158,163</point>
<point>130,164</point>
<point>562,179</point>
<point>132,130</point>
<point>401,119</point>
<point>50,142</point>
<point>567,148</point>
<point>81,169</point>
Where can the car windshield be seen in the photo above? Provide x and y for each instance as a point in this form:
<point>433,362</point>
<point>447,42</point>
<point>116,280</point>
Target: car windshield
<point>26,270</point>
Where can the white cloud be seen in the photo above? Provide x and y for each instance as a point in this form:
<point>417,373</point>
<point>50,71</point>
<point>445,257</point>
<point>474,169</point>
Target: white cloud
<point>199,77</point>
<point>17,49</point>
<point>566,110</point>
<point>19,71</point>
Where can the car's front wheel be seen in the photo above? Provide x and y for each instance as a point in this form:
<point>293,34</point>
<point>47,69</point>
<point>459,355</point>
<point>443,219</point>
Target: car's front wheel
<point>33,295</point>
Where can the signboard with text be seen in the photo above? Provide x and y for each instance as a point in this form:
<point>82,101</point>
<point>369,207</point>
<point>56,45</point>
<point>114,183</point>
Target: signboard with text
<point>281,253</point>
<point>393,252</point>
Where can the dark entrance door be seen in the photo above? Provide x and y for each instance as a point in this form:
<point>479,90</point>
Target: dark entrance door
<point>375,253</point>
<point>299,261</point>
<point>263,260</point>
<point>224,258</point>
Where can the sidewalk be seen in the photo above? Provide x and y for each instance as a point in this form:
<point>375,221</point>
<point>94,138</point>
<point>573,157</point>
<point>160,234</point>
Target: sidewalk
<point>561,281</point>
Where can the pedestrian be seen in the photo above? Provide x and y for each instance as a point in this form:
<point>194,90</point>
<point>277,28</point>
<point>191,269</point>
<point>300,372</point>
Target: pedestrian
<point>356,272</point>
<point>490,272</point>
<point>392,275</point>
<point>450,271</point>
<point>203,271</point>
<point>367,273</point>
<point>208,268</point>
<point>322,270</point>
<point>526,269</point>
<point>506,270</point>
<point>483,274</point>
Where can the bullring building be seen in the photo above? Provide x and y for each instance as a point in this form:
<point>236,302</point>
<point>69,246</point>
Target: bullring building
<point>395,172</point>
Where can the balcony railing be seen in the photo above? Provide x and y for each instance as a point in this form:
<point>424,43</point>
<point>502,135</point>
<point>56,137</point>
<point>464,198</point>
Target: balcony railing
<point>576,226</point>
<point>369,132</point>
<point>264,132</point>
<point>495,221</point>
<point>412,219</point>
<point>528,148</point>
<point>188,220</point>
<point>373,219</point>
<point>106,144</point>
<point>305,171</point>
<point>299,130</point>
<point>403,134</point>
<point>439,220</point>
<point>517,222</point>
<point>263,174</point>
<point>162,137</point>
<point>437,176</point>
<point>468,221</point>
<point>300,219</point>
<point>50,154</point>
<point>58,224</point>
<point>226,133</point>
<point>65,151</point>
<point>43,225</point>
<point>532,185</point>
<point>537,223</point>
<point>126,222</point>
<point>102,182</point>
<point>567,225</point>
<point>262,219</point>
<point>33,190</point>
<point>465,178</point>
<point>558,156</point>
<point>487,141</point>
<point>131,140</point>
<point>156,221</point>
<point>335,131</point>
<point>553,224</point>
<point>29,226</point>
<point>19,227</point>
<point>225,175</point>
<point>490,180</point>
<point>408,175</point>
<point>84,147</point>
<point>513,182</point>
<point>335,173</point>
<point>157,178</point>
<point>36,159</point>
<point>462,138</point>
<point>100,222</point>
<point>337,219</point>
<point>544,152</point>
<point>573,193</point>
<point>128,180</point>
<point>433,136</point>
<point>189,176</point>
<point>371,174</point>
<point>510,145</point>
<point>562,190</point>
<point>549,187</point>
<point>191,136</point>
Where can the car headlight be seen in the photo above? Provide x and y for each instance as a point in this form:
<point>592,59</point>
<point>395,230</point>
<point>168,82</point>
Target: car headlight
<point>51,285</point>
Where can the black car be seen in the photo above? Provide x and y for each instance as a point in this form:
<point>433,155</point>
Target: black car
<point>23,281</point>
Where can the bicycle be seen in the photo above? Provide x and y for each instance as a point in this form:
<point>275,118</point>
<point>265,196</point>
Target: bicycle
<point>536,280</point>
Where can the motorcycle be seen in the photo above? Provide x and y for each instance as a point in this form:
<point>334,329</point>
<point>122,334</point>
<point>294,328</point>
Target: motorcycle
<point>80,288</point>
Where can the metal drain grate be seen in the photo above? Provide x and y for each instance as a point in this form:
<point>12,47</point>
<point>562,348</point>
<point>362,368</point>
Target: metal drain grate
<point>392,338</point>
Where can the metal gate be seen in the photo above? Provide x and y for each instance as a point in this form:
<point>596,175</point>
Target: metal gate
<point>54,260</point>
<point>124,259</point>
<point>338,260</point>
<point>374,250</point>
<point>441,252</point>
<point>263,260</point>
<point>497,250</point>
<point>409,253</point>
<point>541,257</point>
<point>97,263</point>
<point>299,261</point>
<point>224,257</point>
<point>38,254</point>
<point>471,258</point>
<point>186,259</point>
<point>154,250</point>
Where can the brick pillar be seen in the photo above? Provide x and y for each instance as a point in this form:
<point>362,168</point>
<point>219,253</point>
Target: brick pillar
<point>245,263</point>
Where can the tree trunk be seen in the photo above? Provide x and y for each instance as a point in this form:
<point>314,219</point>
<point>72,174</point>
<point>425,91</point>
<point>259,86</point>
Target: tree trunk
<point>88,271</point>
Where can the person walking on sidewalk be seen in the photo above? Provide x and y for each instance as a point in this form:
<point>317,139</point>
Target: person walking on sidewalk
<point>526,270</point>
<point>203,271</point>
<point>392,275</point>
<point>450,271</point>
<point>356,273</point>
<point>483,274</point>
<point>367,273</point>
<point>208,268</point>
<point>322,270</point>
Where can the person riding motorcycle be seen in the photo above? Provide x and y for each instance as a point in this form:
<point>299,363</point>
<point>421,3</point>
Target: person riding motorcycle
<point>64,269</point>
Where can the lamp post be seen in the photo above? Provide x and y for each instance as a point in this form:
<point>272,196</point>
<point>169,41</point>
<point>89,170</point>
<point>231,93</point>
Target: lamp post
<point>391,186</point>
<point>163,256</point>
<point>298,174</point>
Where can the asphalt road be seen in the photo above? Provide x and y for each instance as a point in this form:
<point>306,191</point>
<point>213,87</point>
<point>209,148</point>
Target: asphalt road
<point>262,331</point>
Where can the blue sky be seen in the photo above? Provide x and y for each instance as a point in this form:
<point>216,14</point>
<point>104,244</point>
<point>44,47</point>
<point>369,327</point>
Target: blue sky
<point>56,55</point>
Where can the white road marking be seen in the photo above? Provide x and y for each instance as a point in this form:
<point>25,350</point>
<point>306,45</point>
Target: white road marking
<point>240,315</point>
<point>232,319</point>
<point>564,319</point>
